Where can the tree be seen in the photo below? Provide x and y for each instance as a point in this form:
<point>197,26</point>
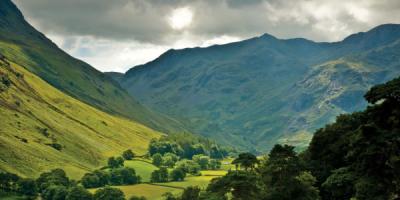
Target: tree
<point>123,176</point>
<point>78,193</point>
<point>157,159</point>
<point>90,180</point>
<point>115,162</point>
<point>191,193</point>
<point>202,160</point>
<point>159,176</point>
<point>169,160</point>
<point>55,192</point>
<point>242,184</point>
<point>214,164</point>
<point>109,193</point>
<point>8,181</point>
<point>27,187</point>
<point>96,179</point>
<point>284,177</point>
<point>54,177</point>
<point>189,166</point>
<point>177,174</point>
<point>128,155</point>
<point>169,196</point>
<point>246,160</point>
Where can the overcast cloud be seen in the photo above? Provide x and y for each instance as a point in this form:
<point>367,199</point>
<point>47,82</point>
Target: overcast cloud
<point>114,35</point>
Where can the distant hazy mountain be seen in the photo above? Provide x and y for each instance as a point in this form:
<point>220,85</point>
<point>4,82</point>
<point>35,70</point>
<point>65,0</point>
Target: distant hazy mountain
<point>265,90</point>
<point>24,45</point>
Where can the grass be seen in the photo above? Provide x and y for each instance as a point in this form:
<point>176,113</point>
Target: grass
<point>155,191</point>
<point>142,168</point>
<point>34,114</point>
<point>151,192</point>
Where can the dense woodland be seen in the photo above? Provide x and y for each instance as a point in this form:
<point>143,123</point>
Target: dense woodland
<point>357,157</point>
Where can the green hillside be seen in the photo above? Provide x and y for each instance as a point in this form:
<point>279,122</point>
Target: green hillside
<point>42,128</point>
<point>24,45</point>
<point>264,90</point>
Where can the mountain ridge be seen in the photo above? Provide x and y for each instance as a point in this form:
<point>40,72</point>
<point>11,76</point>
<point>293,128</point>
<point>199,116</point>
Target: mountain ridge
<point>240,91</point>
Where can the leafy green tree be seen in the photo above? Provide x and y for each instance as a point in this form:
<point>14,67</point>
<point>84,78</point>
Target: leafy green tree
<point>56,177</point>
<point>284,176</point>
<point>169,160</point>
<point>128,154</point>
<point>55,192</point>
<point>189,166</point>
<point>355,156</point>
<point>169,196</point>
<point>242,184</point>
<point>157,159</point>
<point>214,164</point>
<point>115,162</point>
<point>340,184</point>
<point>191,193</point>
<point>202,160</point>
<point>109,193</point>
<point>177,174</point>
<point>246,160</point>
<point>90,180</point>
<point>159,176</point>
<point>78,193</point>
<point>8,181</point>
<point>123,176</point>
<point>27,187</point>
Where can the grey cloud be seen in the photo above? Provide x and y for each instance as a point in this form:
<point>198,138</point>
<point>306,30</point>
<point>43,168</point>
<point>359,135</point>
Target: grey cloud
<point>145,20</point>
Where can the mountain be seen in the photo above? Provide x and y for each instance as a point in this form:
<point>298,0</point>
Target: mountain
<point>264,90</point>
<point>24,45</point>
<point>42,128</point>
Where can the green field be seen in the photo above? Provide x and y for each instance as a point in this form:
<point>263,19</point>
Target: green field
<point>143,168</point>
<point>154,191</point>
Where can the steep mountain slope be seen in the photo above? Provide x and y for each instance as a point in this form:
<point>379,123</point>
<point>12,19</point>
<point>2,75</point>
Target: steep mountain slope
<point>42,128</point>
<point>24,45</point>
<point>263,90</point>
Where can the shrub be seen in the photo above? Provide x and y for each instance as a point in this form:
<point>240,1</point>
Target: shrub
<point>78,193</point>
<point>128,155</point>
<point>27,187</point>
<point>109,193</point>
<point>178,174</point>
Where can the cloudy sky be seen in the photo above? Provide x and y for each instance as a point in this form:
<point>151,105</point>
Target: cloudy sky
<point>115,35</point>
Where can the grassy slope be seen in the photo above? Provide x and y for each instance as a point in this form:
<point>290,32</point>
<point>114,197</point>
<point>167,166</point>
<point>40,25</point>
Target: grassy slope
<point>23,44</point>
<point>88,135</point>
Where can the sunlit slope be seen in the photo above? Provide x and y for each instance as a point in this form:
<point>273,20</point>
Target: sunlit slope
<point>26,46</point>
<point>36,119</point>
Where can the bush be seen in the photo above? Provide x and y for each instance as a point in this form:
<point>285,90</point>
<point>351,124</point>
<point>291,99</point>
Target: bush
<point>90,180</point>
<point>124,176</point>
<point>157,159</point>
<point>109,193</point>
<point>8,181</point>
<point>78,193</point>
<point>54,177</point>
<point>178,174</point>
<point>55,192</point>
<point>189,166</point>
<point>115,162</point>
<point>27,187</point>
<point>128,155</point>
<point>159,176</point>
